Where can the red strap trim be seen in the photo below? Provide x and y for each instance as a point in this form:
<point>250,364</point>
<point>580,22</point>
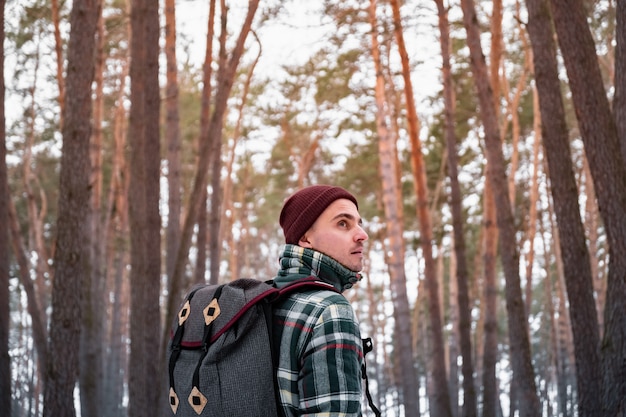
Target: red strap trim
<point>242,311</point>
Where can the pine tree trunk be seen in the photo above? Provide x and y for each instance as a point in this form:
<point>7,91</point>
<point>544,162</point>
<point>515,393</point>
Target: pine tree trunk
<point>518,327</point>
<point>92,328</point>
<point>144,218</point>
<point>408,381</point>
<point>573,249</point>
<point>490,296</point>
<point>603,150</point>
<point>71,257</point>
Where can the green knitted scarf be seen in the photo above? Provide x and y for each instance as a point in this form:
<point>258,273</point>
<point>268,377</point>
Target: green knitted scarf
<point>298,262</point>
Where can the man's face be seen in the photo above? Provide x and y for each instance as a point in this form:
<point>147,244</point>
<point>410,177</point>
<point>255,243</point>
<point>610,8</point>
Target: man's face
<point>338,233</point>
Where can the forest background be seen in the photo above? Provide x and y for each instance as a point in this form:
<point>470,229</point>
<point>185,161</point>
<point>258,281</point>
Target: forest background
<point>485,141</point>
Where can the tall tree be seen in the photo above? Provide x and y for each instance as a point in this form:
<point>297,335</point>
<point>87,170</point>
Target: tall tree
<point>92,331</point>
<point>5,359</point>
<point>491,235</point>
<point>573,248</point>
<point>470,408</point>
<point>395,260</point>
<point>144,218</point>
<point>440,399</point>
<point>519,342</point>
<point>489,246</point>
<point>603,150</point>
<point>71,258</point>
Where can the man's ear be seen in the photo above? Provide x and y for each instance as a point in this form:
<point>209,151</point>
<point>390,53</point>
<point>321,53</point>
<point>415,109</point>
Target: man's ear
<point>304,242</point>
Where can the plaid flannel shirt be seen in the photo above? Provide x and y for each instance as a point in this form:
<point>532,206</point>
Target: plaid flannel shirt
<point>320,347</point>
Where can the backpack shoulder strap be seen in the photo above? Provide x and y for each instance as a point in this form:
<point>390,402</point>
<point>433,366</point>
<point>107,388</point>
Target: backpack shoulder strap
<point>367,347</point>
<point>266,294</point>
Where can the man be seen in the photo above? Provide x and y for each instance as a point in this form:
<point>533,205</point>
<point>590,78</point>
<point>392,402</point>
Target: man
<point>320,347</point>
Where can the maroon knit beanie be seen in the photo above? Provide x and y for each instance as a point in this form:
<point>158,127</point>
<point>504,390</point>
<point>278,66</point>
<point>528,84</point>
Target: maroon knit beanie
<point>303,208</point>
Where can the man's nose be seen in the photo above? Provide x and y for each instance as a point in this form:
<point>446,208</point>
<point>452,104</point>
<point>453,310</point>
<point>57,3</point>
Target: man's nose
<point>361,234</point>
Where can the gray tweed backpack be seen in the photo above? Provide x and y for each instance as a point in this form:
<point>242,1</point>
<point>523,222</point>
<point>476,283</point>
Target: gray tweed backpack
<point>220,355</point>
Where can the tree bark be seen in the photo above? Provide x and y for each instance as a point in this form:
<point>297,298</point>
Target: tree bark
<point>518,327</point>
<point>573,249</point>
<point>71,257</point>
<point>603,150</point>
<point>490,296</point>
<point>144,218</point>
<point>92,329</point>
<point>490,354</point>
